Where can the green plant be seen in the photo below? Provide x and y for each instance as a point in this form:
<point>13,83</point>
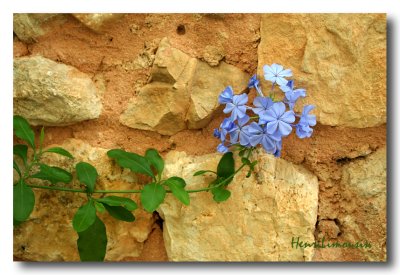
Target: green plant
<point>92,241</point>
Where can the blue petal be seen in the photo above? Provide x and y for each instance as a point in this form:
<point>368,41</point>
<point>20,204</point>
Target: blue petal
<point>272,126</point>
<point>281,81</point>
<point>268,70</point>
<point>255,139</point>
<point>243,120</point>
<point>285,73</point>
<point>284,128</point>
<point>226,95</point>
<point>222,148</point>
<point>228,108</point>
<point>288,117</point>
<point>278,108</point>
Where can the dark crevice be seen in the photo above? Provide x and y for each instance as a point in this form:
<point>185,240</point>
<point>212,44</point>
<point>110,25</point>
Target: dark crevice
<point>159,221</point>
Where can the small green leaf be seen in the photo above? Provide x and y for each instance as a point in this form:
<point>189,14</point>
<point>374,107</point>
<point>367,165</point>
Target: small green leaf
<point>155,159</point>
<point>23,201</point>
<point>177,186</point>
<point>119,201</point>
<point>41,137</point>
<point>246,161</point>
<point>92,242</point>
<point>201,172</point>
<point>84,217</point>
<point>21,150</point>
<point>23,130</point>
<point>152,196</point>
<point>132,161</point>
<point>99,207</point>
<point>15,165</point>
<point>241,153</point>
<point>226,166</point>
<point>60,151</point>
<point>52,174</point>
<point>120,213</point>
<point>248,175</point>
<point>220,194</point>
<point>86,174</point>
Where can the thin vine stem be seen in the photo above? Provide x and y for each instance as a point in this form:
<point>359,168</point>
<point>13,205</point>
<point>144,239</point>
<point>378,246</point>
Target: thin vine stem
<point>130,191</point>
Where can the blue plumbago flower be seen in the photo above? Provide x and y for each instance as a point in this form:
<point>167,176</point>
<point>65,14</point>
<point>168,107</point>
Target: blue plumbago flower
<point>217,133</point>
<point>307,118</point>
<point>303,128</point>
<point>278,150</point>
<point>227,126</point>
<point>240,132</point>
<point>259,135</point>
<point>262,105</point>
<point>291,94</point>
<point>253,83</point>
<point>222,148</point>
<point>276,74</point>
<point>226,96</point>
<point>237,107</point>
<point>278,121</point>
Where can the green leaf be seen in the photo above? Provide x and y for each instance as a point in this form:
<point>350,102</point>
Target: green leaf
<point>119,201</point>
<point>132,161</point>
<point>21,150</point>
<point>120,213</point>
<point>226,166</point>
<point>52,174</point>
<point>16,223</point>
<point>23,130</point>
<point>155,159</point>
<point>92,242</point>
<point>84,217</point>
<point>87,174</point>
<point>60,151</point>
<point>23,201</point>
<point>201,172</point>
<point>220,194</point>
<point>15,165</point>
<point>177,186</point>
<point>246,161</point>
<point>241,153</point>
<point>152,196</point>
<point>99,207</point>
<point>41,137</point>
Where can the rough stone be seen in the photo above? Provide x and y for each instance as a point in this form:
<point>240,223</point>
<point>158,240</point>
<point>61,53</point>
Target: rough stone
<point>48,234</point>
<point>97,21</point>
<point>158,107</point>
<point>206,85</point>
<point>183,89</point>
<point>364,218</point>
<point>49,93</point>
<point>340,59</point>
<point>258,221</point>
<point>29,26</point>
<point>213,54</point>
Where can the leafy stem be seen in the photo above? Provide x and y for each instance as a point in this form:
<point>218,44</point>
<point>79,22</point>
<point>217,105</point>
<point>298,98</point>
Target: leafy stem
<point>57,188</point>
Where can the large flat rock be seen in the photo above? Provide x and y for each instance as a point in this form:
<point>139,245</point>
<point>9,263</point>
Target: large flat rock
<point>340,59</point>
<point>258,221</point>
<point>53,94</point>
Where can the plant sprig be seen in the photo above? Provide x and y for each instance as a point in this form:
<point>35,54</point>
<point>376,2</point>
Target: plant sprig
<point>91,230</point>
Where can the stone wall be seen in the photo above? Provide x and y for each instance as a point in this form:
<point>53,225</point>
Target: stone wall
<point>138,81</point>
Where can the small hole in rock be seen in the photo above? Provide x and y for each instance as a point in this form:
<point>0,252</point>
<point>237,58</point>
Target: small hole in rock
<point>181,30</point>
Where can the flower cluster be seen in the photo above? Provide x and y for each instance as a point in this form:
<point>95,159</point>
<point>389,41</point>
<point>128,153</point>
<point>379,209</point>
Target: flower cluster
<point>271,120</point>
